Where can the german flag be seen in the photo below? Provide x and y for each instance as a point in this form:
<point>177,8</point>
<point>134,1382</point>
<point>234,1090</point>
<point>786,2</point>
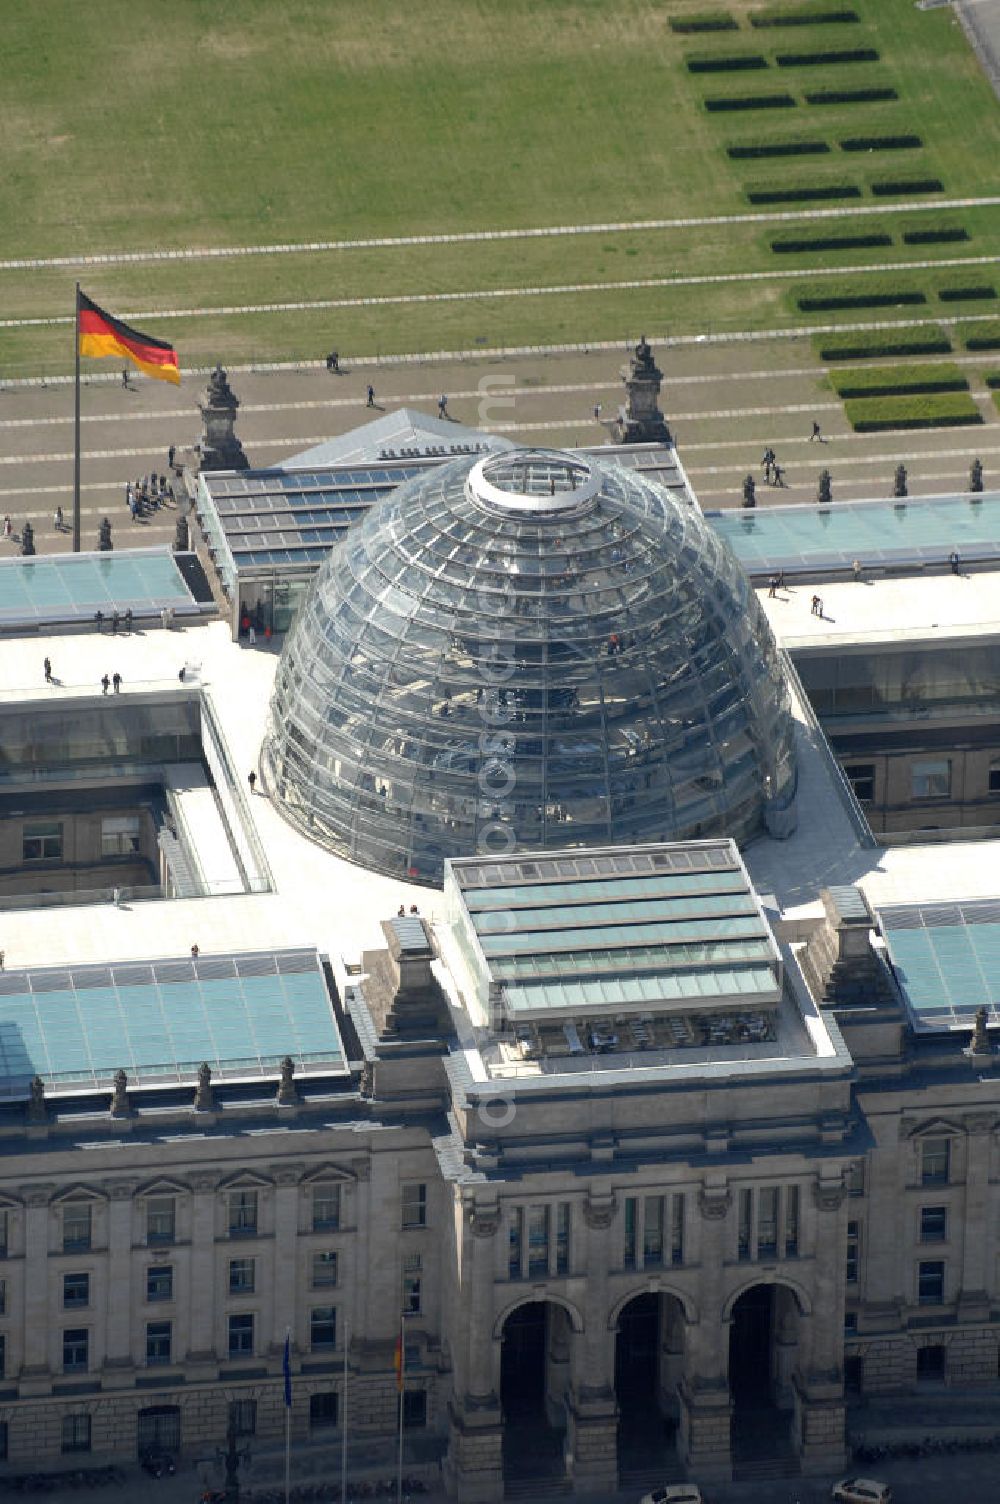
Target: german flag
<point>100,334</point>
<point>398,1360</point>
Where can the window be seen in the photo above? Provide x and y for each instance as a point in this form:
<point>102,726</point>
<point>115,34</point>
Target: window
<point>324,1270</point>
<point>161,1224</point>
<point>241,1336</point>
<point>538,1240</point>
<point>516,1242</point>
<point>414,1409</point>
<point>935,1161</point>
<point>323,1328</point>
<point>323,1411</point>
<point>931,1363</point>
<point>994,778</point>
<point>677,1230</point>
<point>791,1221</point>
<point>562,1237</point>
<point>850,1325</point>
<point>767,1223</point>
<point>76,1290</point>
<point>160,1282</point>
<point>930,1283</point>
<point>931,779</point>
<point>933,1224</point>
<point>652,1232</point>
<point>414,1204</point>
<point>76,1433</point>
<point>3,1233</point>
<point>119,835</point>
<point>157,1342</point>
<point>853,1252</point>
<point>412,1269</point>
<point>856,1178</point>
<point>631,1203</point>
<point>243,1417</point>
<point>3,1355</point>
<point>242,1276</point>
<point>326,1208</point>
<point>76,1350</point>
<point>861,777</point>
<point>3,1441</point>
<point>42,841</point>
<point>854,1374</point>
<point>76,1226</point>
<point>242,1214</point>
<point>3,1297</point>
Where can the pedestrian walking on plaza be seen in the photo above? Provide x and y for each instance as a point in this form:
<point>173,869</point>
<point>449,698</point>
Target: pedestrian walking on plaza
<point>815,605</point>
<point>8,527</point>
<point>767,462</point>
<point>779,475</point>
<point>116,680</point>
<point>371,395</point>
<point>99,620</point>
<point>195,952</point>
<point>128,619</point>
<point>105,684</point>
<point>772,587</point>
<point>115,619</point>
<point>48,670</point>
<point>171,452</point>
<point>856,569</point>
<point>442,406</point>
<point>954,561</point>
<point>57,519</point>
<point>252,780</point>
<point>815,433</point>
<point>597,412</point>
<point>252,635</point>
<point>125,376</point>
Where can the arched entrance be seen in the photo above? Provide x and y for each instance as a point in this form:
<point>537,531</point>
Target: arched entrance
<point>763,1351</point>
<point>649,1361</point>
<point>534,1377</point>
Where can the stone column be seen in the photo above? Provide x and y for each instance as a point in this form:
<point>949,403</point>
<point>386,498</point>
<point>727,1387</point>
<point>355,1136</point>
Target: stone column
<point>286,1229</point>
<point>202,1354</point>
<point>819,1382</point>
<point>704,1432</point>
<point>119,1364</point>
<point>474,1465</point>
<point>973,1299</point>
<point>592,1411</point>
<point>35,1371</point>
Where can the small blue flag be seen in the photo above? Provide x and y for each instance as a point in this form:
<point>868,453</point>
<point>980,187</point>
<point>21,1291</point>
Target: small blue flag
<point>286,1368</point>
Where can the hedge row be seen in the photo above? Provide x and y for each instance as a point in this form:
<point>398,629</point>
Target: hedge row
<point>850,96</point>
<point>715,21</point>
<point>832,243</point>
<point>943,236</point>
<point>751,102</point>
<point>876,414</point>
<point>984,336</point>
<point>773,15</point>
<point>832,301</point>
<point>816,59</point>
<point>907,186</point>
<point>993,380</point>
<point>804,194</point>
<point>979,292</point>
<point>883,344</point>
<point>996,399</point>
<point>777,149</point>
<point>899,381</point>
<point>746,63</point>
<point>880,143</point>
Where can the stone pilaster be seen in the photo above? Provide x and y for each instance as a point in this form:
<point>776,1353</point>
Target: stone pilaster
<point>286,1230</point>
<point>704,1433</point>
<point>118,1361</point>
<point>819,1384</point>
<point>974,1300</point>
<point>35,1371</point>
<point>591,1407</point>
<point>202,1292</point>
<point>474,1465</point>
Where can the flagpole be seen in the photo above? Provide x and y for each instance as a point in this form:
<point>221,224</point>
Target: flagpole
<point>343,1427</point>
<point>402,1390</point>
<point>286,1365</point>
<point>76,426</point>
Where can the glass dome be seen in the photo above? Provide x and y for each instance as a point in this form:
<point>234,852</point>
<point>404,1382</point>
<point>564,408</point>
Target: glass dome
<point>527,650</point>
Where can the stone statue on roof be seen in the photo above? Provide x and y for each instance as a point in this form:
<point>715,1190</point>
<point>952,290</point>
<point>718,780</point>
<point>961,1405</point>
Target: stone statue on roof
<point>37,1112</point>
<point>286,1086</point>
<point>203,1100</point>
<point>640,421</point>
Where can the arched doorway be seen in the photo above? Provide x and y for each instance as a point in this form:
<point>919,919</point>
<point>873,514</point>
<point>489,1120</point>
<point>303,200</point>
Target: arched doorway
<point>649,1361</point>
<point>534,1377</point>
<point>763,1351</point>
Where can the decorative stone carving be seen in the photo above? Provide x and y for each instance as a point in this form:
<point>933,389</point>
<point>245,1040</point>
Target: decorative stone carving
<point>37,1111</point>
<point>121,1190</point>
<point>828,1195</point>
<point>599,1211</point>
<point>362,1169</point>
<point>483,1220</point>
<point>204,1101</point>
<point>287,1095</point>
<point>204,1181</point>
<point>119,1101</point>
<point>714,1202</point>
<point>37,1195</point>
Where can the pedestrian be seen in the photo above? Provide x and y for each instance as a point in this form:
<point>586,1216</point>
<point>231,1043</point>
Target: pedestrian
<point>815,433</point>
<point>779,474</point>
<point>115,619</point>
<point>57,519</point>
<point>772,587</point>
<point>814,604</point>
<point>597,412</point>
<point>125,376</point>
<point>48,670</point>
<point>401,911</point>
<point>116,680</point>
<point>333,361</point>
<point>8,527</point>
<point>442,406</point>
<point>128,619</point>
<point>105,684</point>
<point>252,635</point>
<point>954,561</point>
<point>99,619</point>
<point>856,569</point>
<point>195,952</point>
<point>371,395</point>
<point>171,452</point>
<point>252,780</point>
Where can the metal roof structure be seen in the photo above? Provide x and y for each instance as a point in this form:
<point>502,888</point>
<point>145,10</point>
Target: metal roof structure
<point>946,959</point>
<point>62,588</point>
<point>159,1020</point>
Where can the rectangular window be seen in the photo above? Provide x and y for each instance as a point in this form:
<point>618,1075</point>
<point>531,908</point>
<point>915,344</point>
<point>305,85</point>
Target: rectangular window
<point>323,1411</point>
<point>160,1282</point>
<point>323,1328</point>
<point>3,1356</point>
<point>3,1441</point>
<point>677,1230</point>
<point>933,1224</point>
<point>414,1409</point>
<point>516,1244</point>
<point>76,1350</point>
<point>767,1222</point>
<point>414,1204</point>
<point>562,1237</point>
<point>412,1276</point>
<point>42,841</point>
<point>242,1214</point>
<point>994,779</point>
<point>745,1243</point>
<point>853,1252</point>
<point>242,1276</point>
<point>538,1241</point>
<point>157,1342</point>
<point>324,1270</point>
<point>931,779</point>
<point>3,1297</point>
<point>935,1161</point>
<point>119,835</point>
<point>160,1219</point>
<point>243,1417</point>
<point>652,1232</point>
<point>3,1233</point>
<point>861,777</point>
<point>76,1291</point>
<point>850,1325</point>
<point>791,1221</point>
<point>326,1208</point>
<point>76,1227</point>
<point>241,1336</point>
<point>930,1283</point>
<point>856,1178</point>
<point>630,1231</point>
<point>931,1363</point>
<point>76,1433</point>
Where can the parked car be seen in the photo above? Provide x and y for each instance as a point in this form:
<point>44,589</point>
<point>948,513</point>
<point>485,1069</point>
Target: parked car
<point>675,1493</point>
<point>861,1491</point>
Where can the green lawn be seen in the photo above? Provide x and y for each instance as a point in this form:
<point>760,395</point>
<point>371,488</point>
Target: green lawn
<point>134,125</point>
